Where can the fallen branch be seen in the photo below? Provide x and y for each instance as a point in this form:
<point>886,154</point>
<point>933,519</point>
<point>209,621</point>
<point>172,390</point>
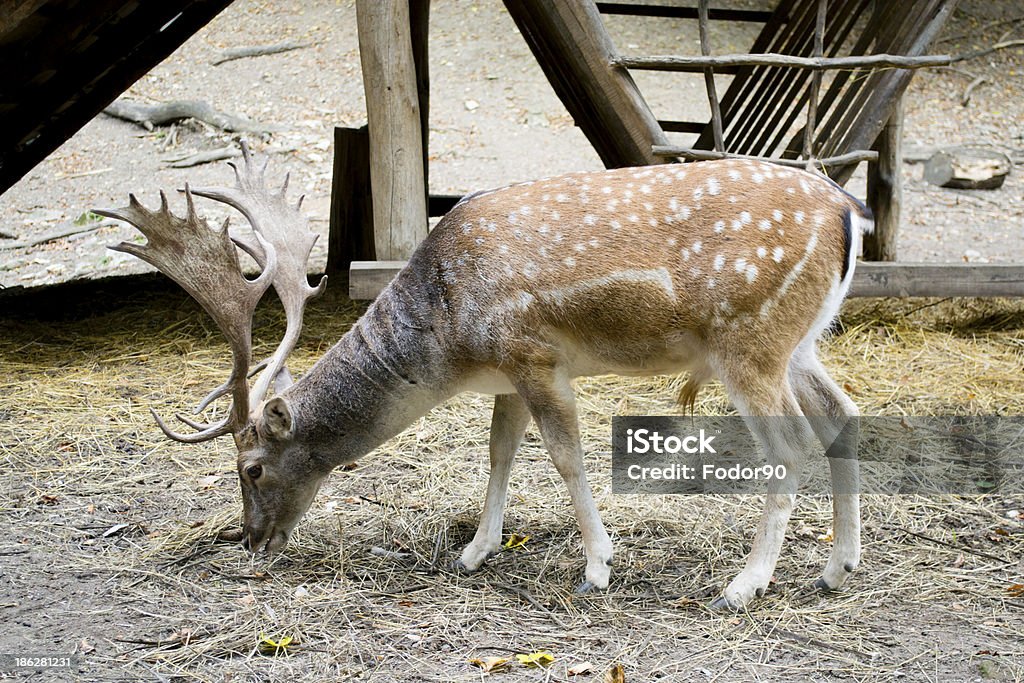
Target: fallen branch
<point>969,90</point>
<point>150,115</point>
<point>209,156</point>
<point>63,230</point>
<point>256,51</point>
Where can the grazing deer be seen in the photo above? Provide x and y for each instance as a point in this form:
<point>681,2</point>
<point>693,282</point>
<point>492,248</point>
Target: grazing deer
<point>729,269</point>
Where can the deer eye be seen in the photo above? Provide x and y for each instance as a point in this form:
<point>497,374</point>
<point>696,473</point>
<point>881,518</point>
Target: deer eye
<point>254,471</point>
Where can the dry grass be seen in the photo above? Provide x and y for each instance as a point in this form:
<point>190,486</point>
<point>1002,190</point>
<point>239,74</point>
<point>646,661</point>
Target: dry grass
<point>159,598</point>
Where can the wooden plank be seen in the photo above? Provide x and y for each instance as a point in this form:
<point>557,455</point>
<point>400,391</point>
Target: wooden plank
<point>885,191</point>
<point>367,279</point>
<point>709,75</point>
<point>575,52</point>
<point>814,93</point>
<point>419,33</point>
<point>871,279</point>
<point>396,142</point>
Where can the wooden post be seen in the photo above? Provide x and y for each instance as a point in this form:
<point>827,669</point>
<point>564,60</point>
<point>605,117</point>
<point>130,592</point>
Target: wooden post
<point>709,75</point>
<point>396,143</point>
<point>419,29</point>
<point>350,237</point>
<point>885,190</point>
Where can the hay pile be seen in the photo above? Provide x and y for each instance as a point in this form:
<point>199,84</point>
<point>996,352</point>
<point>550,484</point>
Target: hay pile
<point>364,591</point>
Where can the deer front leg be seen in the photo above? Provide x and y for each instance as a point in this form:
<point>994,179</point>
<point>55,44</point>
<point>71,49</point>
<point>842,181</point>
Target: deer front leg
<point>508,424</point>
<point>549,396</point>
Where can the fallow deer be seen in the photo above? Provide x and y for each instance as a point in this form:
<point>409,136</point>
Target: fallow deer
<point>729,269</point>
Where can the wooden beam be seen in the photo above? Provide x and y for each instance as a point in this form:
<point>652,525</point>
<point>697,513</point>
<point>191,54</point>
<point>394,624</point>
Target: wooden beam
<point>396,143</point>
<point>573,48</point>
<point>871,279</point>
<point>710,154</point>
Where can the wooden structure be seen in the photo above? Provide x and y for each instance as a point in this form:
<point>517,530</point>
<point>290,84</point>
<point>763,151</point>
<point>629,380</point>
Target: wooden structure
<point>63,61</point>
<point>851,115</point>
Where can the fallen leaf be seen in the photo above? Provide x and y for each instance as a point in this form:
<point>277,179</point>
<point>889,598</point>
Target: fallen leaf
<point>209,482</point>
<point>826,537</point>
<point>536,659</point>
<point>581,669</point>
<point>616,674</point>
<point>269,646</point>
<point>516,541</point>
<point>492,664</point>
<point>1016,590</point>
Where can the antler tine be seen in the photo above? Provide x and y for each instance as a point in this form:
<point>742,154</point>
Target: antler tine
<point>287,230</point>
<point>204,262</point>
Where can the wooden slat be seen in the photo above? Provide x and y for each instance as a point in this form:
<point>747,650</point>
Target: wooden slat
<point>691,154</point>
<point>871,279</point>
<point>685,62</point>
<point>676,12</point>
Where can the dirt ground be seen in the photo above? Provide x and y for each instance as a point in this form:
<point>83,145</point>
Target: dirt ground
<point>111,553</point>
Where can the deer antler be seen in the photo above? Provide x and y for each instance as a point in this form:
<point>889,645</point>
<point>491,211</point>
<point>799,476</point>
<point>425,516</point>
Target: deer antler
<point>283,226</point>
<point>205,263</point>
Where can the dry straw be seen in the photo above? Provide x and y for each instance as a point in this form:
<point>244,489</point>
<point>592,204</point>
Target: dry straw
<point>364,590</point>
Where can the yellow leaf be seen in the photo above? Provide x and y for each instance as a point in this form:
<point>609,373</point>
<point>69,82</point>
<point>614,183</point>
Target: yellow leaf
<point>536,659</point>
<point>616,674</point>
<point>516,541</point>
<point>492,664</point>
<point>1016,590</point>
<point>826,537</point>
<point>269,646</point>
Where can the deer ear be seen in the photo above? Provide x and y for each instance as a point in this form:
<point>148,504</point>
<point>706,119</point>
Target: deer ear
<point>277,419</point>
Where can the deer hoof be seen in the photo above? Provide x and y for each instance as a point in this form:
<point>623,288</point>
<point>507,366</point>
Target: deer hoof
<point>722,604</point>
<point>822,585</point>
<point>586,587</point>
<point>460,567</point>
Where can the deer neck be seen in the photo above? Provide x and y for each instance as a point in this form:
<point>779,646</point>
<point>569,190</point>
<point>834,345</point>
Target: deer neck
<point>383,375</point>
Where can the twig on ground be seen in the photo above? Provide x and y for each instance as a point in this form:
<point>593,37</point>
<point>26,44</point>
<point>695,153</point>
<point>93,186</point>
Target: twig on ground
<point>150,115</point>
<point>969,90</point>
<point>257,51</point>
<point>525,595</point>
<point>954,546</point>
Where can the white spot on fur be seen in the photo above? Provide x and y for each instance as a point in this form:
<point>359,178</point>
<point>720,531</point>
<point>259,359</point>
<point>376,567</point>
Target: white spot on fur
<point>736,225</point>
<point>686,254</point>
<point>646,189</point>
<point>696,246</point>
<point>543,229</point>
<point>479,240</point>
<point>606,189</point>
<point>761,252</point>
<point>671,241</point>
<point>777,254</point>
<point>713,187</point>
<point>589,219</point>
<point>757,178</point>
<point>570,261</point>
<point>734,174</point>
<point>633,218</point>
<point>790,190</point>
<point>764,224</point>
<point>466,228</point>
<point>580,247</point>
<point>711,283</point>
<point>751,272</point>
<point>740,265</point>
<point>799,217</point>
<point>745,217</point>
<point>719,262</point>
<point>615,225</point>
<point>719,226</point>
<point>561,197</point>
<point>698,192</point>
<point>530,269</point>
<point>593,242</point>
<point>777,215</point>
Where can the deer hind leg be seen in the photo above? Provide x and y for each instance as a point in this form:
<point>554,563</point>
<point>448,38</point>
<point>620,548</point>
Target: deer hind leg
<point>833,417</point>
<point>549,396</point>
<point>769,408</point>
<point>508,424</point>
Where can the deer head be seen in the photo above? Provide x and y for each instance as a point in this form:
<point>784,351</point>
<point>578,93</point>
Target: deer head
<point>205,262</point>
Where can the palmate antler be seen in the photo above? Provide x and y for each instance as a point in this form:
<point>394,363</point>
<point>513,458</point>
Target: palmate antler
<point>205,263</point>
